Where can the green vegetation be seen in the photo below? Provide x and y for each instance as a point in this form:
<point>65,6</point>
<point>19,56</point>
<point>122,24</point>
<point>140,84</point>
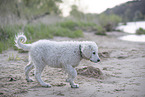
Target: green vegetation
<point>109,22</point>
<point>140,31</point>
<point>2,46</point>
<point>74,25</point>
<point>105,22</point>
<point>28,8</point>
<point>34,32</point>
<point>13,57</point>
<point>76,13</point>
<point>7,34</point>
<point>100,31</point>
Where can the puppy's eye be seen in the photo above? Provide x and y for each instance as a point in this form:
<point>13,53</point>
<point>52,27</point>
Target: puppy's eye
<point>94,53</point>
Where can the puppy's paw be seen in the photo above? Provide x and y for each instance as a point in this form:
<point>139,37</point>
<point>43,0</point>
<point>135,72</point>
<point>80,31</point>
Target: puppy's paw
<point>75,86</point>
<point>46,85</point>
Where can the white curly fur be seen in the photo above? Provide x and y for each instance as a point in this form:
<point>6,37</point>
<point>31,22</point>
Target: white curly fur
<point>22,38</point>
<point>66,55</point>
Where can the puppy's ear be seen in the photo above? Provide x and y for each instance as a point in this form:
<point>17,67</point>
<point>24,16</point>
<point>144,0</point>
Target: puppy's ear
<point>86,51</point>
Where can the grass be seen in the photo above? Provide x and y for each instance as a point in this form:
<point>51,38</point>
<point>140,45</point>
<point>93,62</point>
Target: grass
<point>2,46</point>
<point>42,31</point>
<point>7,36</point>
<point>140,31</point>
<point>75,25</point>
<point>35,32</point>
<point>12,57</point>
<point>85,26</point>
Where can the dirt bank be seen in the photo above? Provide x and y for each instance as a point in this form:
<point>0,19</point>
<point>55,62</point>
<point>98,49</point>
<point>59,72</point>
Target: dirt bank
<point>122,64</point>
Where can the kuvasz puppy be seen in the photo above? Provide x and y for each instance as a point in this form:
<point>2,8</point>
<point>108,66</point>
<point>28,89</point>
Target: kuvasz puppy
<point>66,55</point>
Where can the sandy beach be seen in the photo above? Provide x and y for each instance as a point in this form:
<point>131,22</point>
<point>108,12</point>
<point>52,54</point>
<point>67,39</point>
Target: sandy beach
<point>122,64</point>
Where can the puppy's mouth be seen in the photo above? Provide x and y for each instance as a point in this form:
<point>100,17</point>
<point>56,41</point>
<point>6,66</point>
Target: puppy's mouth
<point>93,61</point>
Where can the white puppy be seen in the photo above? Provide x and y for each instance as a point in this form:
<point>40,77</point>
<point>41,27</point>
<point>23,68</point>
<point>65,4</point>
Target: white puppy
<point>66,55</point>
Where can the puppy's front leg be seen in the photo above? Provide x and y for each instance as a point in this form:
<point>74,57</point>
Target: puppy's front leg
<point>72,73</point>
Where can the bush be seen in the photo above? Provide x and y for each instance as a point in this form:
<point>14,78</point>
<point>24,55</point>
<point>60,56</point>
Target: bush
<point>140,31</point>
<point>68,24</point>
<point>65,32</point>
<point>100,31</point>
<point>2,46</point>
<point>76,25</point>
<point>41,31</point>
<point>109,21</point>
<point>38,31</point>
<point>7,34</point>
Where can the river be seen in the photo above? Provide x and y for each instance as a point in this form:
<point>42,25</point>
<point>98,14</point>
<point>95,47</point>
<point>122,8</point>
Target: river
<point>131,28</point>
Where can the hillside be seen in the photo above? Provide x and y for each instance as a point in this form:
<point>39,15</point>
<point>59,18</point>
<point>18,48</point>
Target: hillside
<point>130,11</point>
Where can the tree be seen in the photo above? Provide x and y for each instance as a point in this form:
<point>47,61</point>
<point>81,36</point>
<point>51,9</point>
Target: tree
<point>138,16</point>
<point>28,8</point>
<point>76,13</point>
<point>7,7</point>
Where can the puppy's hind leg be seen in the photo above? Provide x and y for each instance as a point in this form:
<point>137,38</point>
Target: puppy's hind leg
<point>38,70</point>
<point>28,68</point>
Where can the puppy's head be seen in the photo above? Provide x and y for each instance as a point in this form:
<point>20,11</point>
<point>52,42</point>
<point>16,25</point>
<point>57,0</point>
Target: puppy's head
<point>90,52</point>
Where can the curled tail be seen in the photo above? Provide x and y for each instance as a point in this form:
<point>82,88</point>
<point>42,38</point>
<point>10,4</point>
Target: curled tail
<point>20,39</point>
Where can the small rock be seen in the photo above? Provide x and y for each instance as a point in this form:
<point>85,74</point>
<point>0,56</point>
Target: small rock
<point>60,94</point>
<point>122,57</point>
<point>119,90</point>
<point>105,68</point>
<point>12,79</point>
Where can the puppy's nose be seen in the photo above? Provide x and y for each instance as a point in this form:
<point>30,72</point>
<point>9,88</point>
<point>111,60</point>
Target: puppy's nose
<point>98,60</point>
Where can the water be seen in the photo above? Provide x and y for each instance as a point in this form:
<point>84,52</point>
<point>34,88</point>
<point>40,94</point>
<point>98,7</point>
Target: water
<point>133,38</point>
<point>131,27</point>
